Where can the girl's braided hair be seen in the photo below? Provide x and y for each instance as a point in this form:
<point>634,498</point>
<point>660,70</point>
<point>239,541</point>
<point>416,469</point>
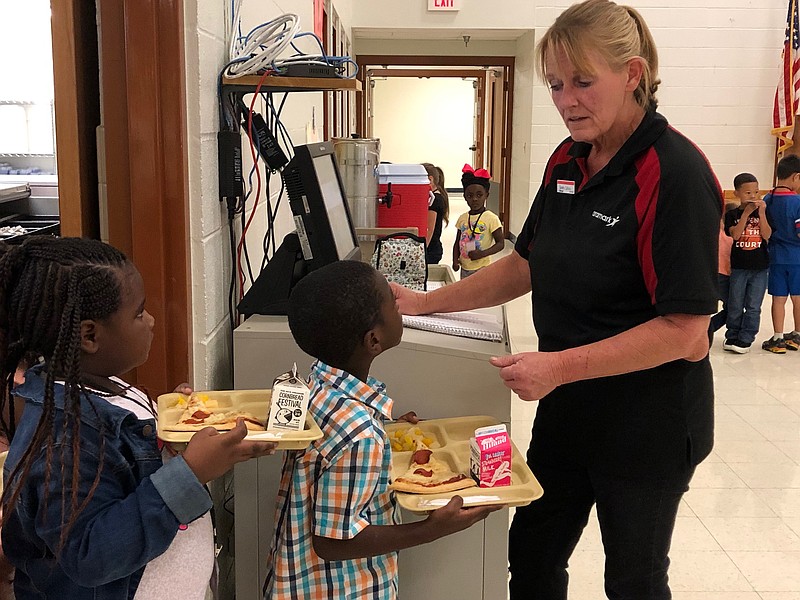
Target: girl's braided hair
<point>47,287</point>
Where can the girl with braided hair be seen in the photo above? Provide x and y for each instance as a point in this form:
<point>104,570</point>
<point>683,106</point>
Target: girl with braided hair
<point>91,507</point>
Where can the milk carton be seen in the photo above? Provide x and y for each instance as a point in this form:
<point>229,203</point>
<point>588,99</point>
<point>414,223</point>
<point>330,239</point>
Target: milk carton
<point>490,456</point>
<point>290,395</point>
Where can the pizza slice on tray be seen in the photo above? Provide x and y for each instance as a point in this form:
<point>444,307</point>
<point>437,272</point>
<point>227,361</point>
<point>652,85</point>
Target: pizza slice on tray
<point>198,414</point>
<point>429,475</point>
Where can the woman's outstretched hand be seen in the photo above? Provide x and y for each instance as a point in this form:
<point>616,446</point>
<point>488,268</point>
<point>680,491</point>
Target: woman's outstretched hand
<point>408,301</point>
<point>530,375</point>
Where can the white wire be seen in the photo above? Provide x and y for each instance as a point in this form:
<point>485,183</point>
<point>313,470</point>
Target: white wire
<point>262,46</point>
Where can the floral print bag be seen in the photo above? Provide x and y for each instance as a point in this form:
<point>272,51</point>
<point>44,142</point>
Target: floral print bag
<point>401,259</point>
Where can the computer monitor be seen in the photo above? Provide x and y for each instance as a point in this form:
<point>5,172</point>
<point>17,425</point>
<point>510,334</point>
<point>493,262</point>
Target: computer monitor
<point>324,229</point>
<point>319,204</point>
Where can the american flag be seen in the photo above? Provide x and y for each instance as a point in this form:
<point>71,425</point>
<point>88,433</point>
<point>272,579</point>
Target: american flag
<point>786,98</point>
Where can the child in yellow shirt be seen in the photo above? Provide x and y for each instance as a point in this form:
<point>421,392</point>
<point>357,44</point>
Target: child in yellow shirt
<point>479,232</point>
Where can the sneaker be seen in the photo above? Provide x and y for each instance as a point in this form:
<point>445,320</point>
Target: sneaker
<point>774,346</point>
<point>792,341</point>
<point>728,345</point>
<point>740,347</point>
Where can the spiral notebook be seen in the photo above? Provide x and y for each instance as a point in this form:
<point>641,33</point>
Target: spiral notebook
<point>479,326</point>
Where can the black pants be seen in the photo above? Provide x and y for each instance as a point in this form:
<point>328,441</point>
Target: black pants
<point>636,521</point>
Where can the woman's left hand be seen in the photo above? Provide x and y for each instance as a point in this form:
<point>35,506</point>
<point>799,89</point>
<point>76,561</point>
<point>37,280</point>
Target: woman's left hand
<point>530,375</point>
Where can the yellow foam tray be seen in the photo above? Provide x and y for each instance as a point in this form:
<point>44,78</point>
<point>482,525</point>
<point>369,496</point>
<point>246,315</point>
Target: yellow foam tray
<point>453,437</point>
<point>255,402</point>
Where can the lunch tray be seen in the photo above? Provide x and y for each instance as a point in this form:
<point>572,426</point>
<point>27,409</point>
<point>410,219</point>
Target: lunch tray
<point>255,402</point>
<point>453,437</point>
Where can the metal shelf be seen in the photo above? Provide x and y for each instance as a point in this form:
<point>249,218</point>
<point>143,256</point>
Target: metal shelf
<point>25,155</point>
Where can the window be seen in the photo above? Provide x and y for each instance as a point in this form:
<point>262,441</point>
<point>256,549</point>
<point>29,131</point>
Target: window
<point>26,89</point>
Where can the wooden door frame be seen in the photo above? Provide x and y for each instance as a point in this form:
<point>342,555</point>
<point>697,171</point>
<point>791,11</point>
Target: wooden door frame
<point>364,61</point>
<point>144,115</point>
<point>76,98</point>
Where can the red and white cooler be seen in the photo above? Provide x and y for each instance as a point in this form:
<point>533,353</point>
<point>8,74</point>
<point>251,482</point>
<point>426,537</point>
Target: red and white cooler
<point>410,192</point>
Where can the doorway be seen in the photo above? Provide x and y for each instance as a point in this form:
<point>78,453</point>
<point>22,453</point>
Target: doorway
<point>386,77</point>
<point>425,118</point>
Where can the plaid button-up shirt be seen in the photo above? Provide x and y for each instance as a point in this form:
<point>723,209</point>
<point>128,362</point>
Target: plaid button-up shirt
<point>336,488</point>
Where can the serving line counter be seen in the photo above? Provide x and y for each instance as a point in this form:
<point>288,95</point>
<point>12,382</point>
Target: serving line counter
<point>435,375</point>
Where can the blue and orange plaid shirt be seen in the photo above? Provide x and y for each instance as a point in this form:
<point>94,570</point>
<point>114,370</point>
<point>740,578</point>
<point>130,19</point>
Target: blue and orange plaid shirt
<point>336,488</point>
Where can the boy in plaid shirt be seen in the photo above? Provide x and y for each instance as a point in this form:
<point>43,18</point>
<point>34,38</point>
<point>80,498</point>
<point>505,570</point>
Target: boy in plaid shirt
<point>337,531</point>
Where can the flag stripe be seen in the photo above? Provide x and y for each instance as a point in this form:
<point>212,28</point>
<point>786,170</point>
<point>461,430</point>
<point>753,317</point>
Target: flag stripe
<point>787,100</point>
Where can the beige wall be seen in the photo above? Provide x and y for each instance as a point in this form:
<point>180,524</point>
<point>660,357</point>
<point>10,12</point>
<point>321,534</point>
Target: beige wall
<point>401,14</point>
<point>719,67</point>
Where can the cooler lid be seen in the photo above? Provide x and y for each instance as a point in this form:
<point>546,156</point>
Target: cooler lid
<point>402,173</point>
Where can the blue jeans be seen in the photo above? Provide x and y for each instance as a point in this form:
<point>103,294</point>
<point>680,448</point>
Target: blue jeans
<point>636,520</point>
<point>744,304</point>
<point>719,319</point>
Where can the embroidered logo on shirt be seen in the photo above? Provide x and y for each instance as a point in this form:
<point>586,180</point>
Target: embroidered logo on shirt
<point>609,221</point>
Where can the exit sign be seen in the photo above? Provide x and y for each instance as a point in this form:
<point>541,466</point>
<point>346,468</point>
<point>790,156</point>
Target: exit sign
<point>444,4</point>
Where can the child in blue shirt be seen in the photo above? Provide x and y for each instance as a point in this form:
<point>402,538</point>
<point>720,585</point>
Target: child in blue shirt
<point>783,213</point>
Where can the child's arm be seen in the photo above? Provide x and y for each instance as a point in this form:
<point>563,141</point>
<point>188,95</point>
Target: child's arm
<point>375,540</point>
<point>457,250</point>
<point>499,242</point>
<point>737,230</point>
<point>116,533</point>
<point>763,224</point>
<point>344,503</point>
<point>432,216</point>
<point>146,519</point>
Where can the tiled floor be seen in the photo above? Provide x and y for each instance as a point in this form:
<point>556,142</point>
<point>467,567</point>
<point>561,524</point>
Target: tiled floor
<point>738,530</point>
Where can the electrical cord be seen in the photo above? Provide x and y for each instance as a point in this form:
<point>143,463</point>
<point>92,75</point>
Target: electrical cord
<point>261,47</point>
<point>261,52</point>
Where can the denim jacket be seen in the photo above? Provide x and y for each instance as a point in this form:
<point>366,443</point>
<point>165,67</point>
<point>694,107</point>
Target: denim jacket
<point>133,515</point>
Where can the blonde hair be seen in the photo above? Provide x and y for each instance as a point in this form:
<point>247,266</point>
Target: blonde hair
<point>618,33</point>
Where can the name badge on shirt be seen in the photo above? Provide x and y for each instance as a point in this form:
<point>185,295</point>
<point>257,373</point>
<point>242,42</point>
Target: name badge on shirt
<point>564,186</point>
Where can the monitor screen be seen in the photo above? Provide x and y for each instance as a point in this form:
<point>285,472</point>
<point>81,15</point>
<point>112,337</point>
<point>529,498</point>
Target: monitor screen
<point>324,229</point>
<point>335,205</point>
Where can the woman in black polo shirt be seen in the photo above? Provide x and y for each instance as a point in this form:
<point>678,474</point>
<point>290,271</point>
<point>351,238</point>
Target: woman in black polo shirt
<point>620,253</point>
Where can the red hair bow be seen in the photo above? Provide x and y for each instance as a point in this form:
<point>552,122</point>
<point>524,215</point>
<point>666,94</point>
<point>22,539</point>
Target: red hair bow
<point>481,173</point>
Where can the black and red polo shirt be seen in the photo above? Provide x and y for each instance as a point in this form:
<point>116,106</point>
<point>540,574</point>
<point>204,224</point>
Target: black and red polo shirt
<point>635,241</point>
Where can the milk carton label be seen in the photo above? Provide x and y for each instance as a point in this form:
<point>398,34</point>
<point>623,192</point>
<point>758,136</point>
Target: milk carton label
<point>490,456</point>
<point>290,396</point>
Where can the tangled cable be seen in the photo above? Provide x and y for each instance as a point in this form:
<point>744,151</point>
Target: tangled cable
<point>259,50</point>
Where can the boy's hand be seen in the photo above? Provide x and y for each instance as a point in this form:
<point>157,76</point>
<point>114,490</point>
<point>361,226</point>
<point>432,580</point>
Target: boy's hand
<point>453,518</point>
<point>409,417</point>
<point>475,254</point>
<point>183,388</point>
<point>456,265</point>
<point>211,454</point>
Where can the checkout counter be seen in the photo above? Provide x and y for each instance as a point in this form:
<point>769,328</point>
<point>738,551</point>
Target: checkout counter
<point>435,375</point>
